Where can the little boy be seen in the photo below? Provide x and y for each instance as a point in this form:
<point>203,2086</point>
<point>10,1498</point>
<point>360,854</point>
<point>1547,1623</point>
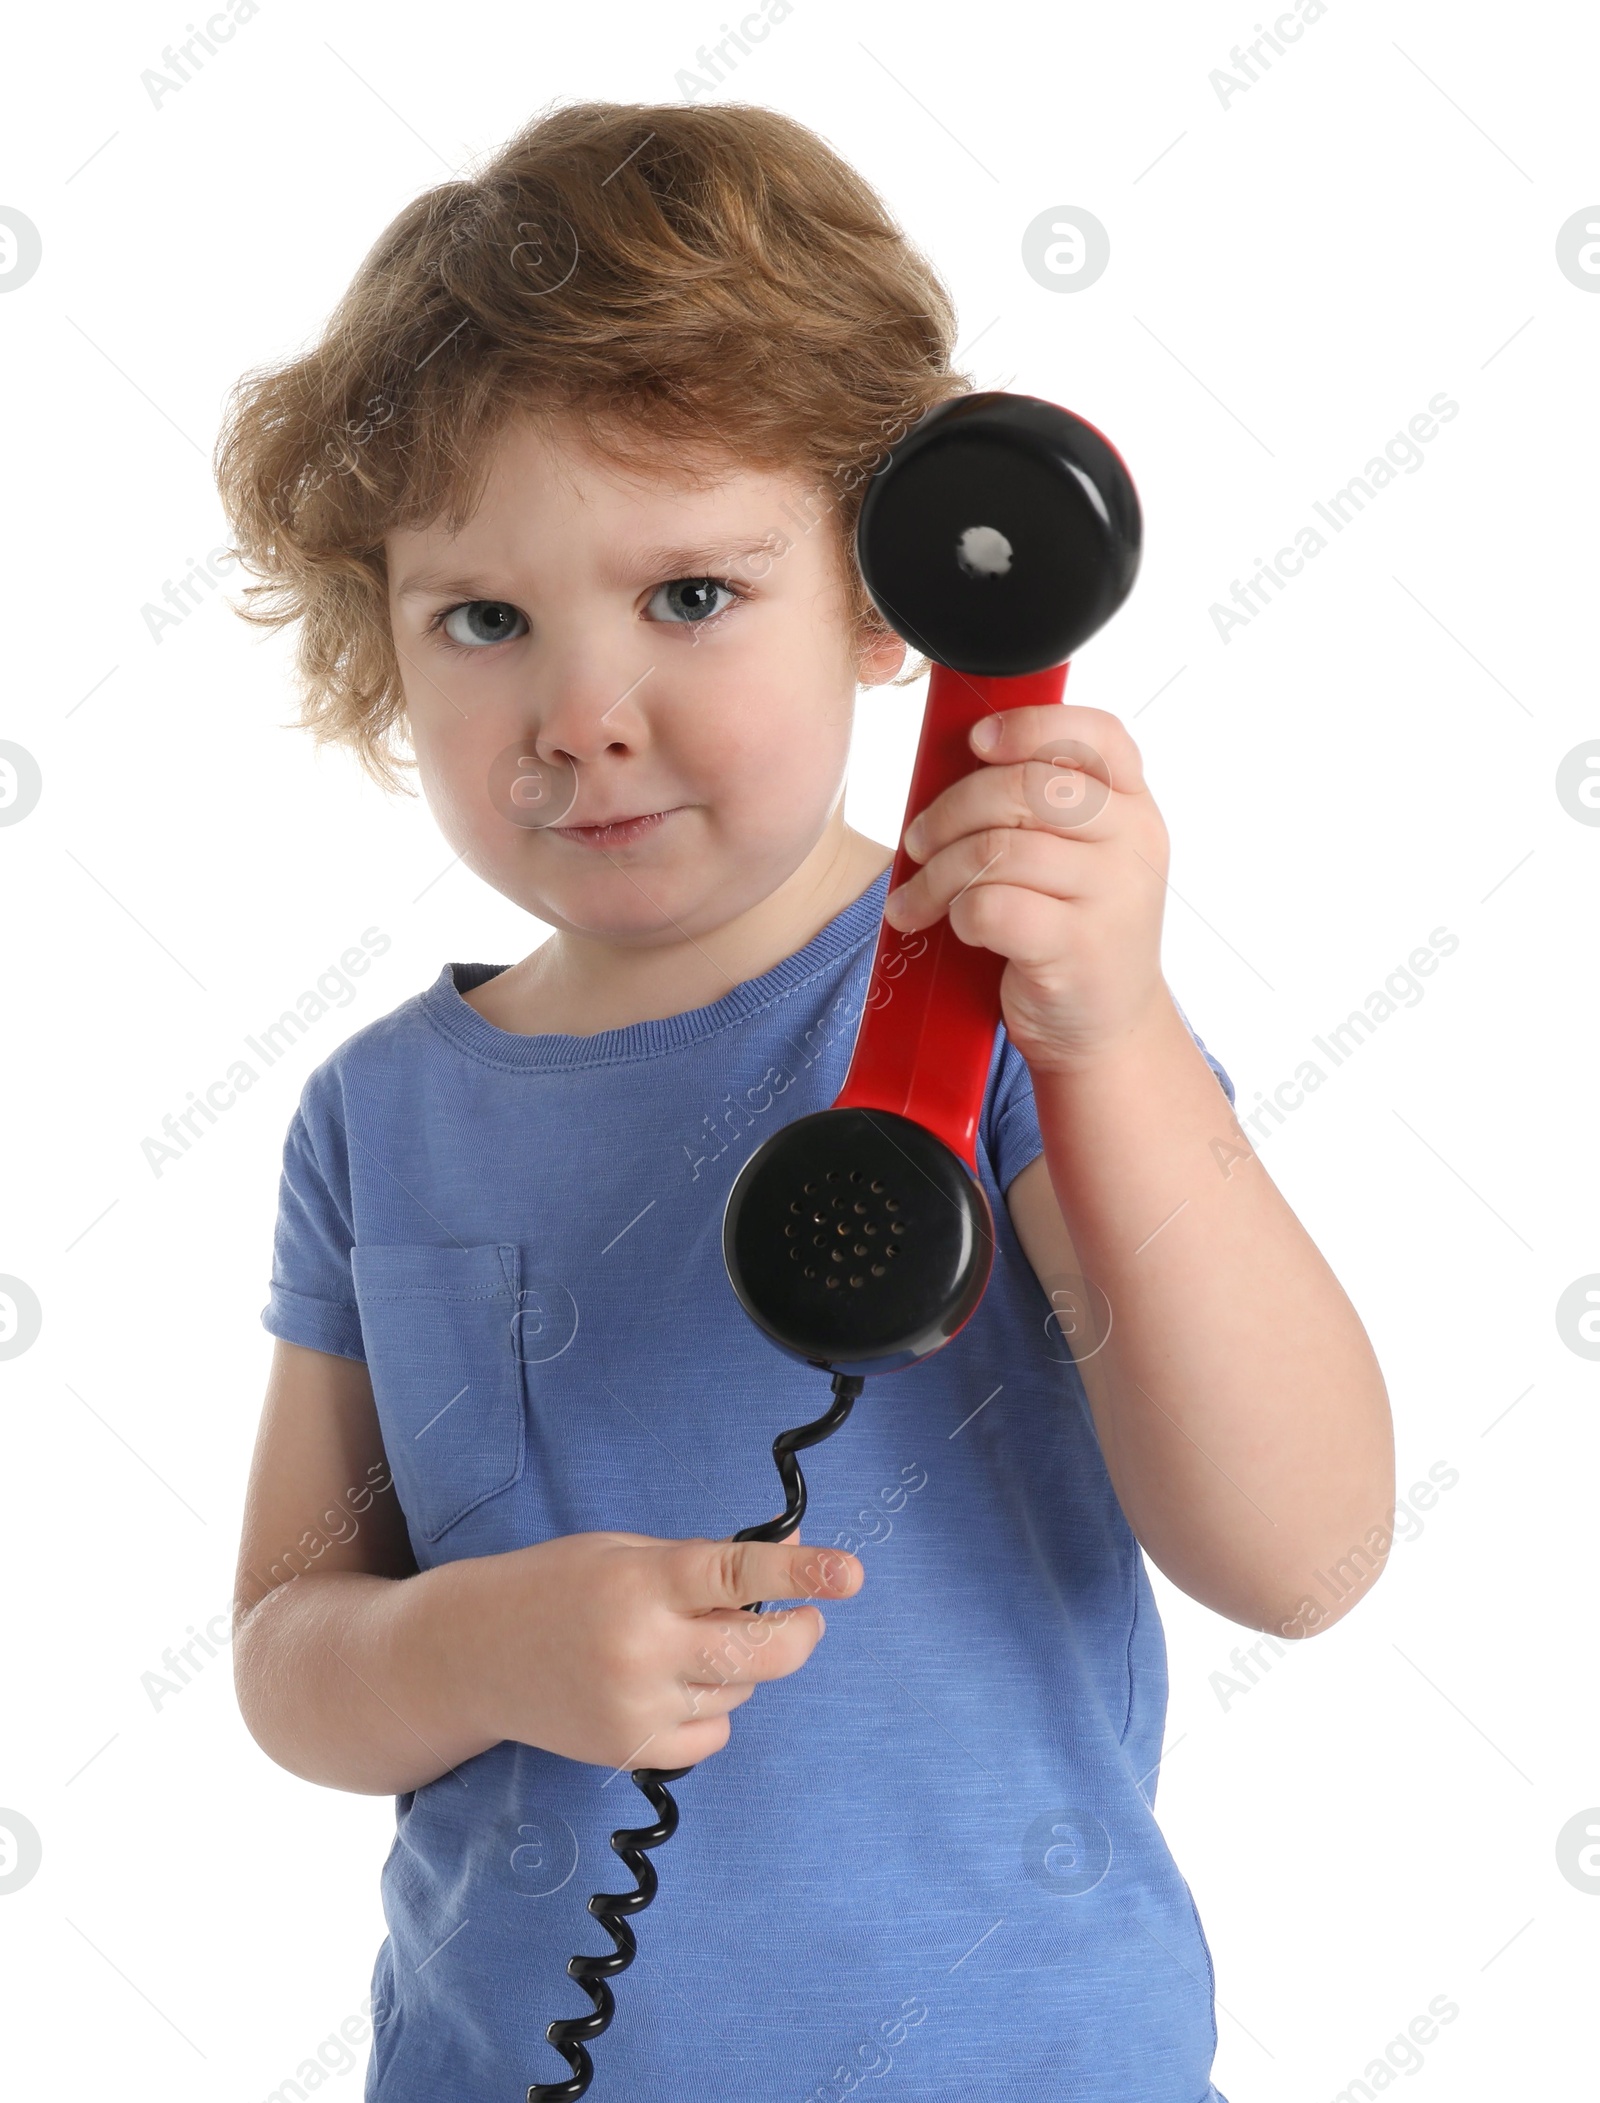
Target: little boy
<point>569,486</point>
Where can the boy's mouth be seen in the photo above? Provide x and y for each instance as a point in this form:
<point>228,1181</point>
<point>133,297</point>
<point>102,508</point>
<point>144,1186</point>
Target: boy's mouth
<point>615,832</point>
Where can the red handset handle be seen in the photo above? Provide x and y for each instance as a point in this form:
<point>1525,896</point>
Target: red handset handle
<point>933,1001</point>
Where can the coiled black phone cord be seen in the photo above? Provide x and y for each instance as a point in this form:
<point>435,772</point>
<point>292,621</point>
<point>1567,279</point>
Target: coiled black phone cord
<point>572,2034</point>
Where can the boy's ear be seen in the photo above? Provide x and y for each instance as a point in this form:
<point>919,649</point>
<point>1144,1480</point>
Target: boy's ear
<point>879,656</point>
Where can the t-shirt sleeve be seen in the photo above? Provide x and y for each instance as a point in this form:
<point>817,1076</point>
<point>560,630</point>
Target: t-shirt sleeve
<point>311,1298</point>
<point>1010,1125</point>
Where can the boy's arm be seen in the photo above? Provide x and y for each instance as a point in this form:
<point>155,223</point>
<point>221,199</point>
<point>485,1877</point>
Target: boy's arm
<point>339,1643</point>
<point>1237,1399</point>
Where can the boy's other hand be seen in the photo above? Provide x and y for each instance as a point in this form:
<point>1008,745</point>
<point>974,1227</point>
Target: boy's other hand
<point>628,1651</point>
<point>1053,854</point>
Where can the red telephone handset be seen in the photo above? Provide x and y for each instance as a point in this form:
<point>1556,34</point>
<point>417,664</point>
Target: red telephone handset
<point>929,1059</point>
<point>1000,533</point>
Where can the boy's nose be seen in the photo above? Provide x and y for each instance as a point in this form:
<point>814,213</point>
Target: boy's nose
<point>584,710</point>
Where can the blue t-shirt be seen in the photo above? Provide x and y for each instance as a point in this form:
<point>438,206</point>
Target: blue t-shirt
<point>932,1848</point>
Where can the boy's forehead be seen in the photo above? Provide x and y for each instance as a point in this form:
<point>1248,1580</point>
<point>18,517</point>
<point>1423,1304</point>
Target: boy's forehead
<point>546,475</point>
<point>599,466</point>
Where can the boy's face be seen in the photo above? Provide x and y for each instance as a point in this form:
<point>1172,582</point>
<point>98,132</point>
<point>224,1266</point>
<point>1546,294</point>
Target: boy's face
<point>571,618</point>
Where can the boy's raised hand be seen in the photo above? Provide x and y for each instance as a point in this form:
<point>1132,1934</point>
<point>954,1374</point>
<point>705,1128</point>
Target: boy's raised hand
<point>628,1651</point>
<point>1053,854</point>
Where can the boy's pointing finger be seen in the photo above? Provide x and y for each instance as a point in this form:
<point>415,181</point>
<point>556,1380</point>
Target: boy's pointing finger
<point>706,1575</point>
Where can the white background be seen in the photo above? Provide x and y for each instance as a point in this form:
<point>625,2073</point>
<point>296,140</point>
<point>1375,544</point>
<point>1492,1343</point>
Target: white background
<point>1292,278</point>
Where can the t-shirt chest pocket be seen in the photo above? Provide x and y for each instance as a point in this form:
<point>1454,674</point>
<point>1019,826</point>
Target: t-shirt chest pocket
<point>439,1326</point>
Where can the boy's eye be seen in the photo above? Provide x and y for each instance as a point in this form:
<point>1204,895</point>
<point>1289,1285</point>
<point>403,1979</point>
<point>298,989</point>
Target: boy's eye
<point>690,599</point>
<point>481,622</point>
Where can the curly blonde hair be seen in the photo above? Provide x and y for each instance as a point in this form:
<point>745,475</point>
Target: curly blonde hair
<point>710,283</point>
